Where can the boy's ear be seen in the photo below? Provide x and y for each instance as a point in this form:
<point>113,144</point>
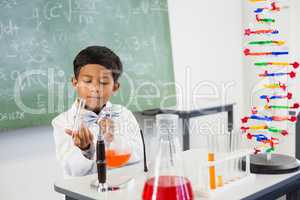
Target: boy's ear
<point>116,87</point>
<point>74,82</point>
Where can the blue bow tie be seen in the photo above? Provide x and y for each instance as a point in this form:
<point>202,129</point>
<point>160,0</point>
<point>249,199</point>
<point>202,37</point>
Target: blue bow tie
<point>90,117</point>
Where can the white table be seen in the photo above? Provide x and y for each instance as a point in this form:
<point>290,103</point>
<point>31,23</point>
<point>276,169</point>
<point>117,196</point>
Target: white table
<point>261,187</point>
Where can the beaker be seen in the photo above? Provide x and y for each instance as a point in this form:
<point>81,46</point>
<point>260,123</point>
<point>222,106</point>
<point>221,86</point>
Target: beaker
<point>118,151</point>
<point>165,177</point>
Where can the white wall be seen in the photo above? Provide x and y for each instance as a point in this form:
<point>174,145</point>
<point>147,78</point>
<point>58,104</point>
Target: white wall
<point>294,45</point>
<point>206,43</point>
<point>207,53</point>
<point>295,40</point>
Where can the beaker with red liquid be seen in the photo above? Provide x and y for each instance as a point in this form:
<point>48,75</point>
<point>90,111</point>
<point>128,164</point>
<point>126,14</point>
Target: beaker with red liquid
<point>168,187</point>
<point>166,178</point>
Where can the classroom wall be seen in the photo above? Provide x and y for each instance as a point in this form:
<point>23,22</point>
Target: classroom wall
<point>206,40</point>
<point>295,40</point>
<point>206,45</point>
<point>295,50</point>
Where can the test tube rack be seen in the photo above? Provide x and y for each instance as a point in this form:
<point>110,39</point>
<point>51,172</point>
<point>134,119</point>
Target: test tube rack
<point>206,188</point>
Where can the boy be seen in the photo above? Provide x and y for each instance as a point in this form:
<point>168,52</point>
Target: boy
<point>96,73</point>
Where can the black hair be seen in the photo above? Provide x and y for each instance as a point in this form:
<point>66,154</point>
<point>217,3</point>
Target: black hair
<point>98,55</point>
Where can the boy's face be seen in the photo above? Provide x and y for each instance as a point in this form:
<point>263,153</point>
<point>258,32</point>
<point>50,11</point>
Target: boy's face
<point>96,85</point>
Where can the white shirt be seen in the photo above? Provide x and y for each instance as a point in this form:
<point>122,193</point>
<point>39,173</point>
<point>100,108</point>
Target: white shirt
<point>76,162</point>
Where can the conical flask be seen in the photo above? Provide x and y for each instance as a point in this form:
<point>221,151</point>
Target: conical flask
<point>165,179</point>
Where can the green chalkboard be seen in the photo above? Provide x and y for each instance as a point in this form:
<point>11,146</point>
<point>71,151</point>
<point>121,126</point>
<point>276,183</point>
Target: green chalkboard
<point>39,39</point>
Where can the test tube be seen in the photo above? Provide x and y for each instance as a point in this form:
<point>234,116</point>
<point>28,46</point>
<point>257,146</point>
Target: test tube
<point>236,146</point>
<point>212,172</point>
<point>220,181</point>
<point>79,108</point>
<point>240,160</point>
<point>227,177</point>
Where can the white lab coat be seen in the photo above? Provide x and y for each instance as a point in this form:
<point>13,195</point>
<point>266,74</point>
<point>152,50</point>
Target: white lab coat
<point>80,163</point>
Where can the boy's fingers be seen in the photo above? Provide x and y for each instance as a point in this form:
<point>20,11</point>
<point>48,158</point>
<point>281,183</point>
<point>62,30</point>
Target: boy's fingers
<point>82,133</point>
<point>77,141</point>
<point>89,136</point>
<point>86,136</point>
<point>109,137</point>
<point>106,125</point>
<point>68,131</point>
<point>112,136</point>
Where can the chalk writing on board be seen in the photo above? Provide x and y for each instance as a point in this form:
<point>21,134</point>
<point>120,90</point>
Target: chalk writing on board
<point>130,89</point>
<point>119,15</point>
<point>40,102</point>
<point>29,51</point>
<point>52,10</point>
<point>8,29</point>
<point>56,76</point>
<point>134,42</point>
<point>36,17</point>
<point>80,11</point>
<point>141,68</point>
<point>126,57</point>
<point>6,94</point>
<point>86,11</point>
<point>8,3</point>
<point>28,82</point>
<point>46,78</point>
<point>2,76</point>
<point>39,39</point>
<point>146,87</point>
<point>17,115</point>
<point>147,91</point>
<point>13,76</point>
<point>84,36</point>
<point>147,7</point>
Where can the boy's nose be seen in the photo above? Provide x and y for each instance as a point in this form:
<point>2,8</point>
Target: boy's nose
<point>96,88</point>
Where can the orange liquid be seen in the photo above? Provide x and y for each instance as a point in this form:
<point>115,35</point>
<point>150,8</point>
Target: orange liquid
<point>114,159</point>
<point>212,172</point>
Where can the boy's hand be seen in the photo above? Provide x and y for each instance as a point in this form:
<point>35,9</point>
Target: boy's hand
<point>107,128</point>
<point>83,139</point>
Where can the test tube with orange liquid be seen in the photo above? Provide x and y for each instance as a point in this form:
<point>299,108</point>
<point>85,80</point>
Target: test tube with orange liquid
<point>212,172</point>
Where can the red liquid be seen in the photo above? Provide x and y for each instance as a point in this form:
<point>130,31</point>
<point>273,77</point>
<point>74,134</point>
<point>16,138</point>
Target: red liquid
<point>169,188</point>
<point>114,159</point>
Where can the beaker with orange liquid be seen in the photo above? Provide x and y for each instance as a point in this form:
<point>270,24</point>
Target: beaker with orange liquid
<point>115,158</point>
<point>117,152</point>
